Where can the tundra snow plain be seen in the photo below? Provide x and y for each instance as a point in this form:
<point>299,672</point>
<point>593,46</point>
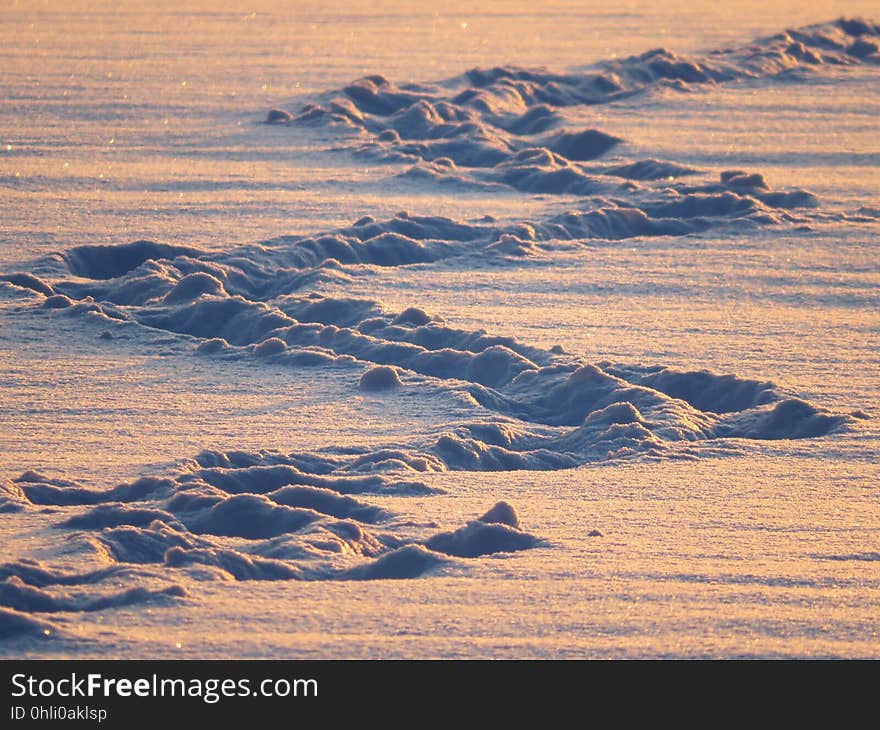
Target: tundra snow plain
<point>577,362</point>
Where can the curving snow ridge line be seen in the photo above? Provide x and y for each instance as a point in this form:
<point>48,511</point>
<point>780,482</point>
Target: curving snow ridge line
<point>241,521</point>
<point>309,516</point>
<point>498,127</point>
<point>522,407</point>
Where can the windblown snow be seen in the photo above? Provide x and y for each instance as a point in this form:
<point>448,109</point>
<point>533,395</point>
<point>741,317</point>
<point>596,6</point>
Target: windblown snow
<point>322,514</point>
